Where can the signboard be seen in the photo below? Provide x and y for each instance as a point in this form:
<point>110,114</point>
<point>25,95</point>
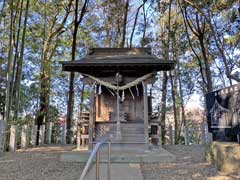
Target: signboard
<point>223,113</point>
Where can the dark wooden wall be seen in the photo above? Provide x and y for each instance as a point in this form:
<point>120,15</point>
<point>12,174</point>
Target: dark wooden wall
<point>131,109</point>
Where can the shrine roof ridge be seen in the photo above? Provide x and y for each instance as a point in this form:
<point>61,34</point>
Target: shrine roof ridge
<point>99,61</point>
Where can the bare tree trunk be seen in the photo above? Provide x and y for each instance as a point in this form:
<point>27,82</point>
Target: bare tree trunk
<point>173,91</point>
<point>144,26</point>
<point>47,53</point>
<point>163,106</point>
<point>16,58</point>
<point>9,66</point>
<point>182,100</point>
<point>193,50</point>
<point>135,23</point>
<point>165,77</point>
<point>182,120</point>
<point>20,63</point>
<point>2,10</point>
<point>199,31</point>
<point>71,78</point>
<point>122,43</point>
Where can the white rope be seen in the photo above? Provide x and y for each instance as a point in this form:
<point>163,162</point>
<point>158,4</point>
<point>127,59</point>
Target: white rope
<point>131,93</point>
<point>126,86</point>
<point>110,91</point>
<point>100,89</point>
<point>93,87</point>
<point>123,95</point>
<point>137,90</point>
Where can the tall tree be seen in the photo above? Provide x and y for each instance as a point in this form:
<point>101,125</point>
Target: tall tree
<point>222,51</point>
<point>49,47</point>
<point>199,30</point>
<point>20,64</point>
<point>135,23</point>
<point>124,29</point>
<point>77,21</point>
<point>2,11</point>
<point>9,63</point>
<point>166,50</point>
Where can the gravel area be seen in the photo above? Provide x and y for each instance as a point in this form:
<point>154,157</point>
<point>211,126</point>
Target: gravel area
<point>190,165</point>
<point>38,164</point>
<point>43,164</point>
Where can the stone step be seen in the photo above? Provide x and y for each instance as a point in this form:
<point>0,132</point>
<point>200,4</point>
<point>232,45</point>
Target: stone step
<point>132,139</point>
<point>133,126</point>
<point>123,153</point>
<point>132,129</point>
<point>124,139</point>
<point>124,133</point>
<point>132,134</point>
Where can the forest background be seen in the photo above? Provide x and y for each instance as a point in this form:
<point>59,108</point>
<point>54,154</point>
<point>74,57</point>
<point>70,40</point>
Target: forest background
<point>203,37</point>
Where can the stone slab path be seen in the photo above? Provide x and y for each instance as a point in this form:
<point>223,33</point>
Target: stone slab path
<point>119,171</point>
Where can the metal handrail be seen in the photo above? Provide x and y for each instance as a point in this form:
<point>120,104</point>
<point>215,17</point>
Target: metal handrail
<point>97,153</point>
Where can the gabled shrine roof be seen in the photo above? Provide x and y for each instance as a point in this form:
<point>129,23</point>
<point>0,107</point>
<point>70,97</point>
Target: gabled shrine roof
<point>133,62</point>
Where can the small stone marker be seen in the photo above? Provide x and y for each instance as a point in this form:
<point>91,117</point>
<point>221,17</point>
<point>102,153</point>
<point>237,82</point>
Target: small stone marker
<point>13,138</point>
<point>24,136</point>
<point>170,134</point>
<point>159,132</point>
<point>34,135</point>
<point>49,132</point>
<point>203,133</point>
<point>2,136</point>
<point>209,138</point>
<point>63,134</point>
<point>186,135</point>
<point>78,137</point>
<point>42,134</point>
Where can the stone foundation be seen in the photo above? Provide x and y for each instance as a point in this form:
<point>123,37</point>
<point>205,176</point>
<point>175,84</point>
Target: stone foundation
<point>225,155</point>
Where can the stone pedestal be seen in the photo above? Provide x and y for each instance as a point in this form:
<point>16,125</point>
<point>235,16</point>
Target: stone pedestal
<point>170,134</point>
<point>159,132</point>
<point>203,133</point>
<point>63,134</point>
<point>24,136</point>
<point>186,135</point>
<point>49,132</point>
<point>2,136</point>
<point>78,137</point>
<point>209,138</point>
<point>34,135</point>
<point>42,135</point>
<point>13,138</point>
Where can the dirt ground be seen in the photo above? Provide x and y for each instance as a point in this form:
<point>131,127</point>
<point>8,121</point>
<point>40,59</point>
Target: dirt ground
<point>44,164</point>
<point>39,164</point>
<point>190,165</point>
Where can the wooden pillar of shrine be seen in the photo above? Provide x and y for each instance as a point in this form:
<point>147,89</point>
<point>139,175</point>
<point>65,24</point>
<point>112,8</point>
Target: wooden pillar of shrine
<point>118,132</point>
<point>145,107</point>
<point>91,119</point>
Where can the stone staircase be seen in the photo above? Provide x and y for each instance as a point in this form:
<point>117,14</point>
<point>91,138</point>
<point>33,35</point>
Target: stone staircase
<point>131,132</point>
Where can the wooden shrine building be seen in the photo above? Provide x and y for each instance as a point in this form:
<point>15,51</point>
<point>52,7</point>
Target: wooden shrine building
<point>119,104</point>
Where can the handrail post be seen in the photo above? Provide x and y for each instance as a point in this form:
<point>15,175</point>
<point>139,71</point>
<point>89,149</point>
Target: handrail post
<point>97,165</point>
<point>109,160</point>
<point>96,151</point>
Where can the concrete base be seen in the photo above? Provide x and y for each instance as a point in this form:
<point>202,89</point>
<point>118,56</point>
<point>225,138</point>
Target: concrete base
<point>156,155</point>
